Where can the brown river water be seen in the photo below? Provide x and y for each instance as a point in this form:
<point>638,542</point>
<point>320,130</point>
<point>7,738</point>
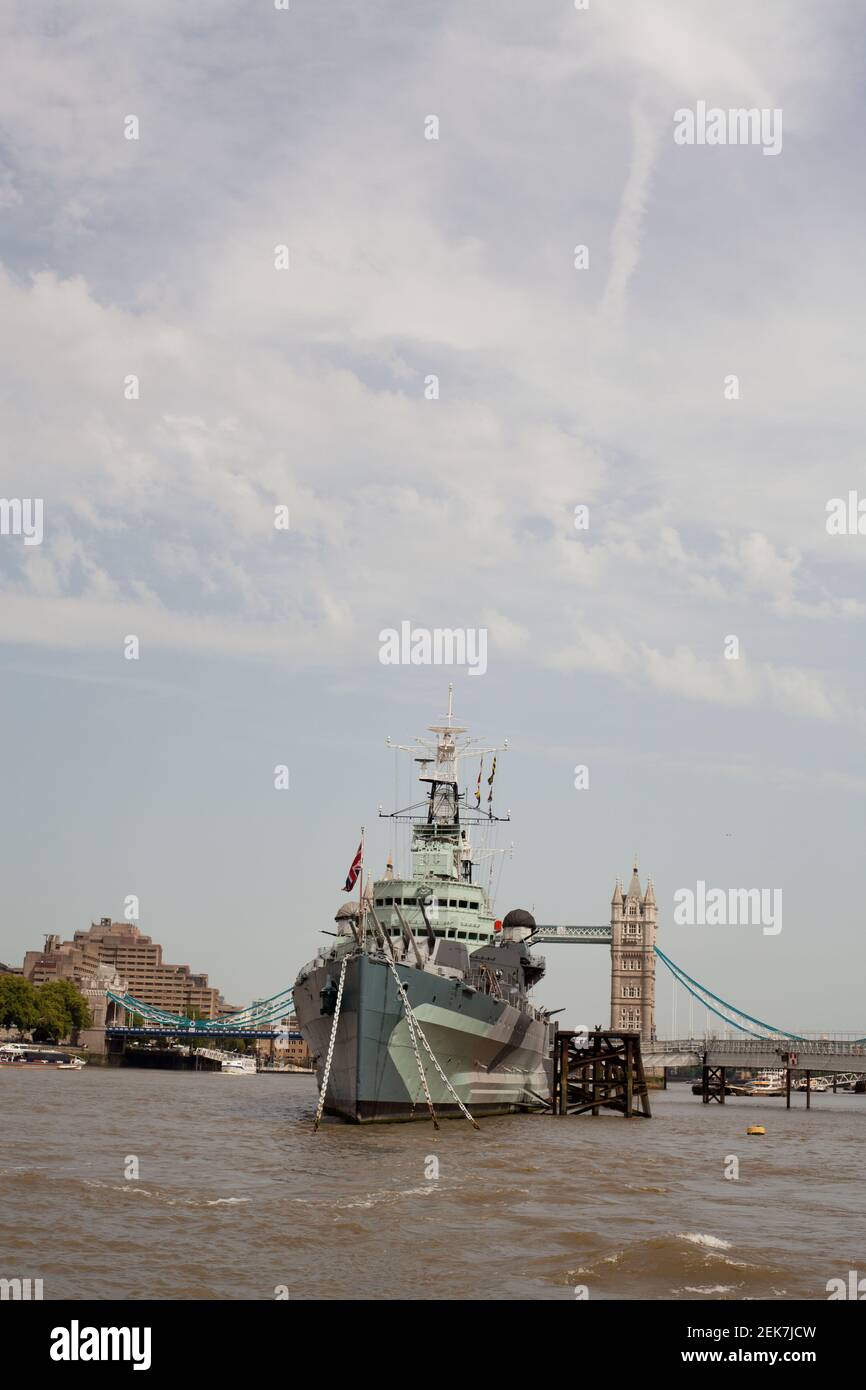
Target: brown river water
<point>237,1197</point>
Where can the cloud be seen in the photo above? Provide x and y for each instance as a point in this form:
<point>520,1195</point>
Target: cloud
<point>410,257</point>
<point>626,234</point>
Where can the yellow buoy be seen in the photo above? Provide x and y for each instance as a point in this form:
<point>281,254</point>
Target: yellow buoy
<point>756,1129</point>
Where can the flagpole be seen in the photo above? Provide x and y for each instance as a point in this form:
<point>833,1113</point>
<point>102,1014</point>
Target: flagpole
<point>361,922</point>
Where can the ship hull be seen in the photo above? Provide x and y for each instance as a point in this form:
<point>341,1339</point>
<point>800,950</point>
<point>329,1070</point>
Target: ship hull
<point>494,1055</point>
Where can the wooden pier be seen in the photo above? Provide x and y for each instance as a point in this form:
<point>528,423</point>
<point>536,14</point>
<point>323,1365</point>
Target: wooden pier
<point>598,1070</point>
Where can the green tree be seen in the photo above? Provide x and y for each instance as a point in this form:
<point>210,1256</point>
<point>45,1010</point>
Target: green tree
<point>18,1006</point>
<point>52,1023</point>
<point>71,1000</point>
<point>60,1008</point>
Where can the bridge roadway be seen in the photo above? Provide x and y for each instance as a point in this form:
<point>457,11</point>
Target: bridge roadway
<point>197,1034</point>
<point>813,1054</point>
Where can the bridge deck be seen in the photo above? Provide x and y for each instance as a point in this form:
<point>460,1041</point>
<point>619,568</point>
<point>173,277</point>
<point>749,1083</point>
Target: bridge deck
<point>198,1034</point>
<point>815,1055</point>
<point>578,936</point>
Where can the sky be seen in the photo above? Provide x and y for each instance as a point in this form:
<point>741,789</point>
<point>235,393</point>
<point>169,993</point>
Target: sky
<point>606,387</point>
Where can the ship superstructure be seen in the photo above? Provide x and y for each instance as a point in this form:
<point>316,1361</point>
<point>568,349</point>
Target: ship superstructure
<point>465,976</point>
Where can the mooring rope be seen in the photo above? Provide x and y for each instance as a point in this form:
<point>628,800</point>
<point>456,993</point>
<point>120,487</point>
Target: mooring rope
<point>327,1072</point>
<point>415,1026</point>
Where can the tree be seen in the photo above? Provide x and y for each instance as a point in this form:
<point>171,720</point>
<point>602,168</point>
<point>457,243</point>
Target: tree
<point>59,1008</point>
<point>71,1000</point>
<point>18,1007</point>
<point>52,1023</point>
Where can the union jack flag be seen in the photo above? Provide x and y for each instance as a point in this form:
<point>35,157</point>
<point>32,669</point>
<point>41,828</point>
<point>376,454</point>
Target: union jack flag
<point>352,876</point>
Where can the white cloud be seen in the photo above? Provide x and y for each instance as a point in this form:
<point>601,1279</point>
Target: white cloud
<point>411,257</point>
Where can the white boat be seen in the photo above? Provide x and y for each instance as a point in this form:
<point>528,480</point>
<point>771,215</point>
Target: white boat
<point>240,1066</point>
<point>767,1083</point>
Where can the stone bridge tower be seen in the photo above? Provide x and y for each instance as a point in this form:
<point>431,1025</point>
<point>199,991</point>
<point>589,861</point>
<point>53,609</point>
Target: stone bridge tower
<point>632,958</point>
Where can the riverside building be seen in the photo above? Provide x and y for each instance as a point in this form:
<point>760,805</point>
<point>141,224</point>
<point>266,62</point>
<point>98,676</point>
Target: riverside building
<point>136,958</point>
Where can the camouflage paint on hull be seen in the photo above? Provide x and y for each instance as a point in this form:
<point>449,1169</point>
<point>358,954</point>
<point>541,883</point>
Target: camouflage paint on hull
<point>494,1055</point>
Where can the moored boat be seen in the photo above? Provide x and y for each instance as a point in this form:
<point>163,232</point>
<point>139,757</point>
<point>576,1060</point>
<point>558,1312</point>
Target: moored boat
<point>766,1083</point>
<point>22,1055</point>
<point>420,960</point>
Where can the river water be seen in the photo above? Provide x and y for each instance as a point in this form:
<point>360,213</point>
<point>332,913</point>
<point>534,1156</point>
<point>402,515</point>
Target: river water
<point>237,1197</point>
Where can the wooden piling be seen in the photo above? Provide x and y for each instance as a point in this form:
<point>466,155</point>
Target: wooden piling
<point>629,1077</point>
<point>595,1076</point>
<point>596,1071</point>
<point>563,1075</point>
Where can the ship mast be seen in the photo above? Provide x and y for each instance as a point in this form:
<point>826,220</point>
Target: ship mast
<point>440,818</point>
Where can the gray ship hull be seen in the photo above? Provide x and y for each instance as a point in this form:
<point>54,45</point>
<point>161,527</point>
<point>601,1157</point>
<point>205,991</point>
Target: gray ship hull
<point>494,1055</point>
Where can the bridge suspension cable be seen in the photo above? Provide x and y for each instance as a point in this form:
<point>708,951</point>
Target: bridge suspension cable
<point>704,995</point>
<point>266,1011</point>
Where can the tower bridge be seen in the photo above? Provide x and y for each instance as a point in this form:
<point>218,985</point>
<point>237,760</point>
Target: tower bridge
<point>631,937</point>
<point>631,934</point>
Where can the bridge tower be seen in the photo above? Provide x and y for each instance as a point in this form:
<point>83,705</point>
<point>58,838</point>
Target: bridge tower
<point>632,957</point>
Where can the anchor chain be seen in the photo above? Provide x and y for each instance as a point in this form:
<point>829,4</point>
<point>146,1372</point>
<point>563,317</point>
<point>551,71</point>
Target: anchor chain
<point>327,1072</point>
<point>415,1026</point>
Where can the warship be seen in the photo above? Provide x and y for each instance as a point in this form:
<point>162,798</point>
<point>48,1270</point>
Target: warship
<point>421,1005</point>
